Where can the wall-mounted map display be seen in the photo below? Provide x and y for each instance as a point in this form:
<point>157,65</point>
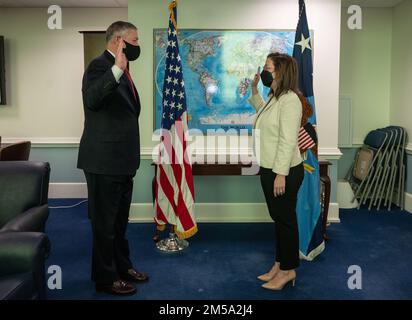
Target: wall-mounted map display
<point>218,67</point>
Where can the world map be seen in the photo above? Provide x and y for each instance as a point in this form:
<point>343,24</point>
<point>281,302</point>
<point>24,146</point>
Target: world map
<point>218,68</point>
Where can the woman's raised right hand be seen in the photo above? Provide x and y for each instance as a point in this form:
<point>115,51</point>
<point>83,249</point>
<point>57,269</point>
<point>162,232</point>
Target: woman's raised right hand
<point>256,79</point>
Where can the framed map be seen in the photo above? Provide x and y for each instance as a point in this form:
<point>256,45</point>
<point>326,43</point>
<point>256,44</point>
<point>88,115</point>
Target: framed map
<point>218,67</point>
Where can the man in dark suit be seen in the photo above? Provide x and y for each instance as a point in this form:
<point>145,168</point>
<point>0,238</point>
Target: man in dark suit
<point>109,154</point>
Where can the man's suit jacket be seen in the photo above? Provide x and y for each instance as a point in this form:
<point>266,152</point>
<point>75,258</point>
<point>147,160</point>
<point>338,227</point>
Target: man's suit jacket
<point>110,141</point>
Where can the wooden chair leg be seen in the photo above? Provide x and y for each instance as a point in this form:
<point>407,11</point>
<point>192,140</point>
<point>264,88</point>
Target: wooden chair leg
<point>325,203</point>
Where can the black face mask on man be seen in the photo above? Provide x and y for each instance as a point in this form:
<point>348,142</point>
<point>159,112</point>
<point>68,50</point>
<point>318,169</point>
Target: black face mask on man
<point>267,78</point>
<point>131,52</point>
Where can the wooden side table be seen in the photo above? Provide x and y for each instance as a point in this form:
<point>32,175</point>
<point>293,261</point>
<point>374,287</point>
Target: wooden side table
<point>325,193</point>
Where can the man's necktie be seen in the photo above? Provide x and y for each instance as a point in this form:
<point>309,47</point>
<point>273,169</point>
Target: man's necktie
<point>126,71</point>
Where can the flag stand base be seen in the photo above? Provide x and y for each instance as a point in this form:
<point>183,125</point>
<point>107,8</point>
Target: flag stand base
<point>172,244</point>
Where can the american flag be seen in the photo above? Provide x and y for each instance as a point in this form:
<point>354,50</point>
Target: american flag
<point>174,191</point>
<point>307,138</point>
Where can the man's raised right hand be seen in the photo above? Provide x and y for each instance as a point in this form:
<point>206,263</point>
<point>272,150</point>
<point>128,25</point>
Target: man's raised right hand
<point>121,60</point>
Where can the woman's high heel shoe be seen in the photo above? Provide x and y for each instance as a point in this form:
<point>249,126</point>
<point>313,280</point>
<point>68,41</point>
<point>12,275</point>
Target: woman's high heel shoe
<point>266,277</point>
<point>279,282</point>
<point>270,275</point>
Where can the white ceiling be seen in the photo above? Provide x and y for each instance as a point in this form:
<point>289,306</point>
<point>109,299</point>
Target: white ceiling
<point>371,3</point>
<point>65,3</point>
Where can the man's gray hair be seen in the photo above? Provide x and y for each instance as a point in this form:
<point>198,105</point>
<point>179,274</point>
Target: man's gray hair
<point>118,27</point>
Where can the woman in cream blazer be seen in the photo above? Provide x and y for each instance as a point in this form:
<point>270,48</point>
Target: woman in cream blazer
<point>278,122</point>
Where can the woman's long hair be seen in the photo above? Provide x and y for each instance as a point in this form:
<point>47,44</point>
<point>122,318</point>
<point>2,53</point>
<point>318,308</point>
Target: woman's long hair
<point>287,73</point>
<point>286,70</point>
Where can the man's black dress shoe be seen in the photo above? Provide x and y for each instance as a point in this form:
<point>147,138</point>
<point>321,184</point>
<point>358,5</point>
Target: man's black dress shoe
<point>134,276</point>
<point>119,288</point>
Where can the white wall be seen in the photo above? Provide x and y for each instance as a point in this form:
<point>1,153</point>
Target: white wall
<point>365,75</point>
<point>44,67</point>
<point>401,106</point>
<point>44,70</point>
<point>324,19</point>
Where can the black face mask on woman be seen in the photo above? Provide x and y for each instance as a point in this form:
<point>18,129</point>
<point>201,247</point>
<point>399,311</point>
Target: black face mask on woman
<point>267,78</point>
<point>131,52</point>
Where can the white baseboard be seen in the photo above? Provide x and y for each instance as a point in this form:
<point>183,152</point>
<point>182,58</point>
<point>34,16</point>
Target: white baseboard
<point>408,202</point>
<point>223,212</point>
<point>67,190</point>
<point>205,212</point>
<point>345,195</point>
<point>210,212</point>
<point>333,214</point>
<point>409,148</point>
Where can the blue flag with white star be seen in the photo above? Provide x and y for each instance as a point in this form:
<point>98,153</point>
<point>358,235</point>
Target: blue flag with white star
<point>308,208</point>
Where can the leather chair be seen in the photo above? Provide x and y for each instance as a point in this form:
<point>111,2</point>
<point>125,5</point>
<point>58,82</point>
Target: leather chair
<point>23,195</point>
<point>16,152</point>
<point>23,214</point>
<point>22,270</point>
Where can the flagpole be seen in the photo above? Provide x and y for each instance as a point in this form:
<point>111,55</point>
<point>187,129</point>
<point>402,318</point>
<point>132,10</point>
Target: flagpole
<point>172,244</point>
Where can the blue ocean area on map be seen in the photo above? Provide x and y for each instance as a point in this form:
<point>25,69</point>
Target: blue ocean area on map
<point>218,68</point>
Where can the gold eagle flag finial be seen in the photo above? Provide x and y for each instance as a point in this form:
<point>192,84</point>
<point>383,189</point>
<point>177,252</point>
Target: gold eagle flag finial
<point>173,5</point>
